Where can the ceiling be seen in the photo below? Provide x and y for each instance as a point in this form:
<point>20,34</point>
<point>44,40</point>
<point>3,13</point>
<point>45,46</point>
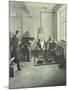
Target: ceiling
<point>31,5</point>
<point>26,6</point>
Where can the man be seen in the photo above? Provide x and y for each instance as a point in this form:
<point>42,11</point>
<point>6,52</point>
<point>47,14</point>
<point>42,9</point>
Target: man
<point>26,47</point>
<point>39,44</point>
<point>54,48</point>
<point>16,44</point>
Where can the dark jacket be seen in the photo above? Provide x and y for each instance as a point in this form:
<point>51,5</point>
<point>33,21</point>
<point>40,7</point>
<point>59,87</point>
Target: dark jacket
<point>16,48</point>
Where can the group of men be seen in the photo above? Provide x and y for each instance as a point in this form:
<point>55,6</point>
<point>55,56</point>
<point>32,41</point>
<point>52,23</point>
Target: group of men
<point>50,44</point>
<point>26,45</point>
<point>48,49</point>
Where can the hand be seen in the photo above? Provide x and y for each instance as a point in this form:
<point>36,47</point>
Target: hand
<point>19,42</point>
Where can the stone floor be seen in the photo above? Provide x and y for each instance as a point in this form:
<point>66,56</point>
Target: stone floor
<point>38,76</point>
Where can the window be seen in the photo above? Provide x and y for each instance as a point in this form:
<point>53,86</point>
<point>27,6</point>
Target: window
<point>61,24</point>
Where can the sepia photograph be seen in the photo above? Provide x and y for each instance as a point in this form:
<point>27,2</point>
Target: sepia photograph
<point>37,44</point>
